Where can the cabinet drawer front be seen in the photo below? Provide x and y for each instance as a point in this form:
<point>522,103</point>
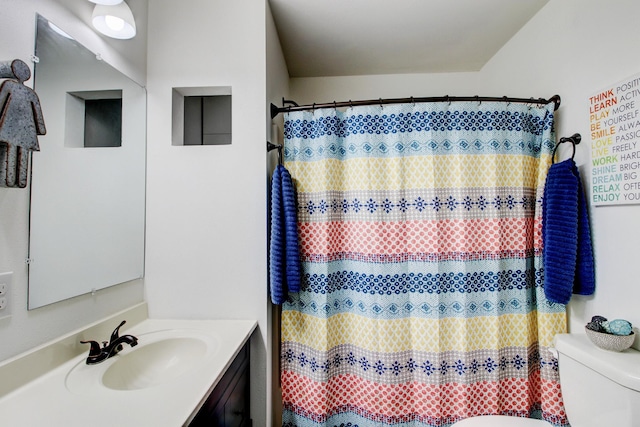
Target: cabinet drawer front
<point>236,410</point>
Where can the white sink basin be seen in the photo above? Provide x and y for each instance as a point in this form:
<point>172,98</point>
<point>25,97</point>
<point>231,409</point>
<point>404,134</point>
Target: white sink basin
<point>159,358</point>
<point>154,363</point>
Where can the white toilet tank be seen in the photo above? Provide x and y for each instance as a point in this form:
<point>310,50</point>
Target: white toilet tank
<point>600,388</point>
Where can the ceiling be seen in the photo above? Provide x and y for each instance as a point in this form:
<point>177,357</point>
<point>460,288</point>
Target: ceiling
<point>360,37</point>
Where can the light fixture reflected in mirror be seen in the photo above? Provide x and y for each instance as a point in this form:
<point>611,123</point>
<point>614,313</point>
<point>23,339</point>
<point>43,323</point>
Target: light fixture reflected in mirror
<point>58,30</point>
<point>106,2</point>
<point>115,20</point>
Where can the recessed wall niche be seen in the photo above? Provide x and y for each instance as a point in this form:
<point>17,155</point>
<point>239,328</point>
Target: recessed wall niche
<point>201,116</point>
<point>93,119</point>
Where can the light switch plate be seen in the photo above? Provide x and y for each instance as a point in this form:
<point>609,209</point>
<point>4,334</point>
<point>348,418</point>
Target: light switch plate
<point>5,294</point>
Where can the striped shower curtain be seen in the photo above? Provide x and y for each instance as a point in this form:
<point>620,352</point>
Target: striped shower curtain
<point>421,301</point>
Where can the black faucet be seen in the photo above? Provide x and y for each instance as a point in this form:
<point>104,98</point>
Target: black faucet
<point>109,349</point>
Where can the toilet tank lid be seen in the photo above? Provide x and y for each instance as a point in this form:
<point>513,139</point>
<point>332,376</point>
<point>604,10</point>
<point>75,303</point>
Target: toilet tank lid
<point>622,367</point>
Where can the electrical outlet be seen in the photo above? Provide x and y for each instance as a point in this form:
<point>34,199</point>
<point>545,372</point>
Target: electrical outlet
<point>5,294</point>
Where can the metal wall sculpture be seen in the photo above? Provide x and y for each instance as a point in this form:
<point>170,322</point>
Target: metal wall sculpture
<point>21,122</point>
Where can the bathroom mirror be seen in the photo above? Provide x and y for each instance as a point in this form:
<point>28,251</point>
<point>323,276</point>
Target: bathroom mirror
<point>88,179</point>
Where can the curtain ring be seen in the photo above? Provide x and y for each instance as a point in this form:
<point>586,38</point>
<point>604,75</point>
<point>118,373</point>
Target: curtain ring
<point>413,101</point>
<point>478,100</point>
<point>313,108</point>
<point>448,100</point>
<point>350,104</point>
<point>335,106</point>
<point>380,99</point>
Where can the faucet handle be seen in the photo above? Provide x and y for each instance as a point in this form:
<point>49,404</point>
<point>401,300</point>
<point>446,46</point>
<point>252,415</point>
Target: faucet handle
<point>95,347</point>
<point>116,332</point>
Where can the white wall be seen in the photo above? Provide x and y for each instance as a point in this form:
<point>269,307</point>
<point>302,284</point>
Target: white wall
<point>26,329</point>
<point>572,48</point>
<point>206,205</point>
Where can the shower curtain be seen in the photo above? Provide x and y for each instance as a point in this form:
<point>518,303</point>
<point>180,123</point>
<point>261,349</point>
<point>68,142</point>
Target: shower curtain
<point>421,300</point>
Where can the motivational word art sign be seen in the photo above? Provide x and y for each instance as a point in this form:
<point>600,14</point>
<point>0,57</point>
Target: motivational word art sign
<point>614,122</point>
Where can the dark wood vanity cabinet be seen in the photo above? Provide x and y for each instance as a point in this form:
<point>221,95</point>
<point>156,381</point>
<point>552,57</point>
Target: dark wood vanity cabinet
<point>228,403</point>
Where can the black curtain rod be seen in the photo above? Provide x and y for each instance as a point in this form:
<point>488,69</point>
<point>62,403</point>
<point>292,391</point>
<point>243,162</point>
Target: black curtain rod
<point>275,110</point>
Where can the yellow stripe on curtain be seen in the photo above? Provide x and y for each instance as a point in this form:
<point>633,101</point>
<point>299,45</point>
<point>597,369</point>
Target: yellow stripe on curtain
<point>431,335</point>
<point>447,171</point>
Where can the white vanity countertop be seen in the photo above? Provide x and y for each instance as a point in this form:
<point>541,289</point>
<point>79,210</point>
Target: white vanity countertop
<point>48,400</point>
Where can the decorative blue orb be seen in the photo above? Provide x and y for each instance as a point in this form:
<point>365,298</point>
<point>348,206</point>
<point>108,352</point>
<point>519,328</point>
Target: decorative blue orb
<point>618,327</point>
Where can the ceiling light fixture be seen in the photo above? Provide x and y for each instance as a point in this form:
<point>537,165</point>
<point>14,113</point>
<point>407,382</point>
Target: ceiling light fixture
<point>114,21</point>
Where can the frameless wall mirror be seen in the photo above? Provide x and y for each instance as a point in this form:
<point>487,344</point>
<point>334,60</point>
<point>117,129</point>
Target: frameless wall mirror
<point>88,179</point>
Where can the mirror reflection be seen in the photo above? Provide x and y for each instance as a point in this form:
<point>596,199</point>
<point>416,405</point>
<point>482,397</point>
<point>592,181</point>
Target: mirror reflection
<point>88,179</point>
